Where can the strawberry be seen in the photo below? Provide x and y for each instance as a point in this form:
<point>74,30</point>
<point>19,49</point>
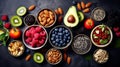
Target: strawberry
<point>7,25</point>
<point>4,18</point>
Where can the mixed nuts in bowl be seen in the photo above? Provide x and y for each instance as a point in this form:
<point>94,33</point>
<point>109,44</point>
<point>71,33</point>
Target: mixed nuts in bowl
<point>16,48</point>
<point>46,18</point>
<point>53,56</point>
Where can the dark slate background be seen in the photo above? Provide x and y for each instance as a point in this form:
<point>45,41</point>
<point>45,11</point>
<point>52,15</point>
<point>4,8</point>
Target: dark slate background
<point>9,7</point>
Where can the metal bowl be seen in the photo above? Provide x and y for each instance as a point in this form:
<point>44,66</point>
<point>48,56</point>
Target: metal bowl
<point>55,17</point>
<point>83,45</point>
<point>16,48</point>
<point>29,15</point>
<point>59,60</point>
<point>30,47</point>
<point>67,43</point>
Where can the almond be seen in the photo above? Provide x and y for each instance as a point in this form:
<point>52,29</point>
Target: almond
<point>32,7</point>
<point>57,12</point>
<point>68,60</point>
<point>28,57</point>
<point>83,5</point>
<point>60,10</point>
<point>86,10</point>
<point>78,6</point>
<point>60,19</point>
<point>65,57</point>
<point>88,4</point>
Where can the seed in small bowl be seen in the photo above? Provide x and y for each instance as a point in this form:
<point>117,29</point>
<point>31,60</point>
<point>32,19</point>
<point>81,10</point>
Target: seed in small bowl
<point>29,20</point>
<point>46,18</point>
<point>100,56</point>
<point>16,48</point>
<point>53,56</point>
<point>81,44</point>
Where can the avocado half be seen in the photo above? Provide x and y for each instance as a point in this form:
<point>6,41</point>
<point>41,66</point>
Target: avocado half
<point>16,21</point>
<point>71,11</point>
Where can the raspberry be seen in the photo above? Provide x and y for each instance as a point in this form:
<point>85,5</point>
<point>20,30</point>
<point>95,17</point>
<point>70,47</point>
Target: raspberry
<point>7,25</point>
<point>4,18</point>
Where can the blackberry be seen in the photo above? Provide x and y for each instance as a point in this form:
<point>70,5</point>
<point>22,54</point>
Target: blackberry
<point>29,20</point>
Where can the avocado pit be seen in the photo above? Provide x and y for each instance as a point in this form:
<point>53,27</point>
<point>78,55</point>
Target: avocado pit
<point>71,19</point>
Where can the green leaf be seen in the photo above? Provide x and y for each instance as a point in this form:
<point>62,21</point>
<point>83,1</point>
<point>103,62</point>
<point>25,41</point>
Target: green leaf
<point>2,36</point>
<point>1,24</point>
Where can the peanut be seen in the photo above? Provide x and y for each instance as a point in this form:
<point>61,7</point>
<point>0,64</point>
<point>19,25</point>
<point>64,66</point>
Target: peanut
<point>32,7</point>
<point>78,6</point>
<point>88,4</point>
<point>83,5</point>
<point>86,10</point>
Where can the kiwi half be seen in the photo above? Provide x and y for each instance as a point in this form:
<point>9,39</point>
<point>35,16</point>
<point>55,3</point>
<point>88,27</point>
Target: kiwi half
<point>38,57</point>
<point>21,11</point>
<point>16,21</point>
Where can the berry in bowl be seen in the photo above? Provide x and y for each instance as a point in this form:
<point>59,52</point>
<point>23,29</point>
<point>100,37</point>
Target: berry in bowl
<point>101,36</point>
<point>60,37</point>
<point>29,20</point>
<point>46,18</point>
<point>35,37</point>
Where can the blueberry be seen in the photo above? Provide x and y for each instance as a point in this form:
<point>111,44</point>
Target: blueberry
<point>27,51</point>
<point>65,37</point>
<point>60,33</point>
<point>52,38</point>
<point>59,45</point>
<point>53,31</point>
<point>61,42</point>
<point>56,44</point>
<point>53,35</point>
<point>56,36</point>
<point>69,37</point>
<point>60,29</point>
<point>56,33</point>
<point>68,41</point>
<point>53,42</point>
<point>64,40</point>
<point>57,40</point>
<point>66,31</point>
<point>60,37</point>
<point>56,29</point>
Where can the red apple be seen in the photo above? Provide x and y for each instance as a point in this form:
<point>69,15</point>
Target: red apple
<point>15,33</point>
<point>89,24</point>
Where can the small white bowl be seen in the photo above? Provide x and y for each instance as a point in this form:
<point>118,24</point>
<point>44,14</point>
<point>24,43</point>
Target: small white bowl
<point>101,45</point>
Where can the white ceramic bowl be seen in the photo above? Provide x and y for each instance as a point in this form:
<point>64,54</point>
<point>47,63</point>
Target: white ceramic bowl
<point>101,45</point>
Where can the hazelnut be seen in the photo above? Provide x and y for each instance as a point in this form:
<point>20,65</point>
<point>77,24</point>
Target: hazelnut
<point>71,19</point>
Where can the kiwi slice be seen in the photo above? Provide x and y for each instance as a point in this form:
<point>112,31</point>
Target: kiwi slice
<point>21,11</point>
<point>38,57</point>
<point>16,21</point>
